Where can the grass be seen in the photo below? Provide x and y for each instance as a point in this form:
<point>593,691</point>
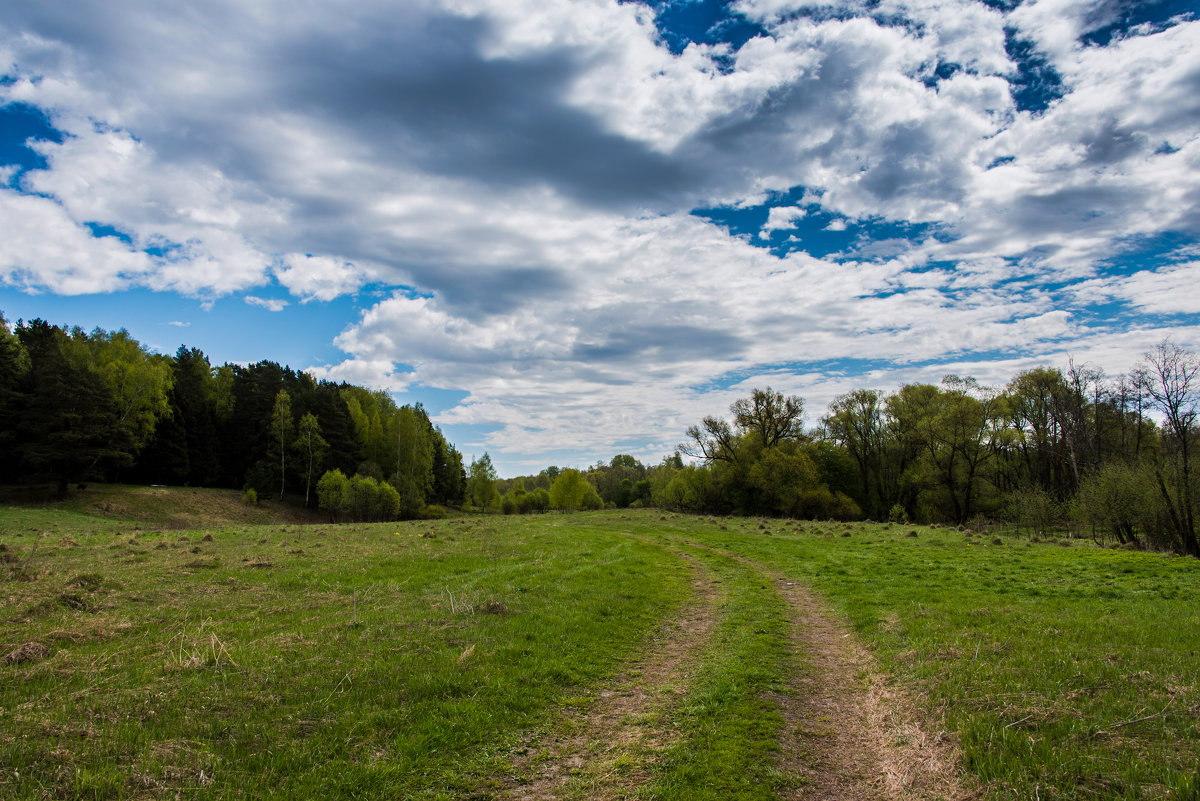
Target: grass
<point>414,660</point>
<point>1067,671</point>
<point>130,506</point>
<point>299,662</point>
<point>730,726</point>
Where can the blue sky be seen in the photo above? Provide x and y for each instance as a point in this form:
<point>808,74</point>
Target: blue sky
<point>572,229</point>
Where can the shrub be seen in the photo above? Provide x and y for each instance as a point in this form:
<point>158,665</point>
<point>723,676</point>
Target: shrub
<point>333,494</point>
<point>250,497</point>
<point>571,491</point>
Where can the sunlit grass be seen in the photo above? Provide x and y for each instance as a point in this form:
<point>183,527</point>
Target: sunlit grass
<point>414,660</point>
<point>397,660</point>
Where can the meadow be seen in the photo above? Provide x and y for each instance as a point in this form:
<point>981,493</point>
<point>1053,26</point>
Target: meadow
<point>622,653</point>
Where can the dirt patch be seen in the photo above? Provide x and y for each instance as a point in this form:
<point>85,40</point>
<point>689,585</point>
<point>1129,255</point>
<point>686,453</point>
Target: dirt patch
<point>29,652</point>
<point>849,734</point>
<point>606,751</point>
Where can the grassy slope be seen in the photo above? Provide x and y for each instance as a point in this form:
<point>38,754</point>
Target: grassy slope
<point>131,507</point>
<point>412,659</point>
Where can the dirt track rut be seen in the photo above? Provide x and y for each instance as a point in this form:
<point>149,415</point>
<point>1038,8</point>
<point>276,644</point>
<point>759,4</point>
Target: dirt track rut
<point>848,734</point>
<point>605,752</point>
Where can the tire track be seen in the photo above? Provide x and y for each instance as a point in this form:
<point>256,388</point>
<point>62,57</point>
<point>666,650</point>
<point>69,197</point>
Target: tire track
<point>607,751</point>
<point>849,733</point>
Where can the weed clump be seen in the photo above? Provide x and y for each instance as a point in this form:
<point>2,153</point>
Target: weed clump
<point>89,582</point>
<point>29,652</point>
<point>73,600</point>
<point>492,608</point>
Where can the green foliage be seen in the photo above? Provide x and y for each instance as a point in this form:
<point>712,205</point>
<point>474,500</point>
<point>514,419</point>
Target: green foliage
<point>68,424</point>
<point>1124,501</point>
<point>781,478</point>
<point>1033,509</point>
<point>434,512</point>
<point>761,465</point>
<point>250,497</point>
<point>312,447</point>
<point>571,492</point>
<point>358,499</point>
<point>690,489</point>
<point>333,494</point>
<point>138,381</point>
<point>481,484</point>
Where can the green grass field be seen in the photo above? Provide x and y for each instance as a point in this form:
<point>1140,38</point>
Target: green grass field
<point>429,659</point>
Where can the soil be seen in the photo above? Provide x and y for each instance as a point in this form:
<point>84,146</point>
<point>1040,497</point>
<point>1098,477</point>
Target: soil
<point>606,751</point>
<point>849,733</point>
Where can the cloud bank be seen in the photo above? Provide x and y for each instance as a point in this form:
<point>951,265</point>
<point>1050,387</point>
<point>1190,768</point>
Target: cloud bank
<point>521,177</point>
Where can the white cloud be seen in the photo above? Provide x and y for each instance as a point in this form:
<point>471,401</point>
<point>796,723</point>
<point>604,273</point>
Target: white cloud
<point>781,217</point>
<point>318,277</point>
<point>44,249</point>
<point>270,304</point>
<point>1169,290</point>
<point>379,374</point>
<point>525,169</point>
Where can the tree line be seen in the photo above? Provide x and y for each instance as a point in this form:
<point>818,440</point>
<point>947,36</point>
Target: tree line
<point>78,406</point>
<point>1111,456</point>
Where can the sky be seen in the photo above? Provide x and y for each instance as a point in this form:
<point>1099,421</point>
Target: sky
<point>572,228</point>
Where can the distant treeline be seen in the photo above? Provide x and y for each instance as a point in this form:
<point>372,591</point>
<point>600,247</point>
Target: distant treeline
<point>1115,457</point>
<point>78,406</point>
<point>1053,448</point>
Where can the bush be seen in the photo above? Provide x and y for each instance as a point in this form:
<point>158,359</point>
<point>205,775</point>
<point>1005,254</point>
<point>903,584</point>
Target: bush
<point>333,494</point>
<point>387,504</point>
<point>571,491</point>
<point>250,497</point>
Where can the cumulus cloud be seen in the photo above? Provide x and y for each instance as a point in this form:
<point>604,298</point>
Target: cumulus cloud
<point>781,217</point>
<point>44,248</point>
<point>522,175</point>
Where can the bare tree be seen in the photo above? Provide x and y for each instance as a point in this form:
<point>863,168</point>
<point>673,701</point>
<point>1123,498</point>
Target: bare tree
<point>713,441</point>
<point>1172,382</point>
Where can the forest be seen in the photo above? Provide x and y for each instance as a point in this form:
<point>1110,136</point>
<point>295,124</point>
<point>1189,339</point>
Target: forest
<point>78,406</point>
<point>1112,457</point>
